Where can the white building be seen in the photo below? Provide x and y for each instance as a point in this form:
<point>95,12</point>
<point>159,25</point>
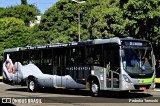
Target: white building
<point>36,21</point>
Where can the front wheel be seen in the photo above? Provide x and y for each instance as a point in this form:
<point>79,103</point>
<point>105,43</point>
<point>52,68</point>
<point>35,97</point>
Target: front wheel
<point>32,85</point>
<point>94,88</point>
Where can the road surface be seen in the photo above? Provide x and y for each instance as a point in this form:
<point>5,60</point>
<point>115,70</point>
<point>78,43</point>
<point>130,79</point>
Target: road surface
<point>18,96</point>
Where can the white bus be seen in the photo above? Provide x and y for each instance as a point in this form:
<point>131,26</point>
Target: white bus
<point>119,64</point>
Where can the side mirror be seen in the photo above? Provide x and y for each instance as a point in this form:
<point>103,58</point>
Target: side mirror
<point>124,64</point>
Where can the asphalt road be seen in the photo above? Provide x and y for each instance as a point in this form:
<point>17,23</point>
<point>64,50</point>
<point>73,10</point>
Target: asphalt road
<point>18,96</point>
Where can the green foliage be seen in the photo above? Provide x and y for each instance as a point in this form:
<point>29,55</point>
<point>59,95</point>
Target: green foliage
<point>13,29</point>
<point>24,2</point>
<point>36,9</point>
<point>62,20</point>
<point>98,19</point>
<point>98,25</point>
<point>146,14</point>
<point>38,37</point>
<point>13,33</point>
<point>24,12</point>
<point>59,20</point>
<point>103,19</point>
<point>136,18</point>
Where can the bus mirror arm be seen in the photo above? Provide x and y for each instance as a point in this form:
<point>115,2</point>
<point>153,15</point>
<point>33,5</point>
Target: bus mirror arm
<point>154,60</point>
<point>122,53</point>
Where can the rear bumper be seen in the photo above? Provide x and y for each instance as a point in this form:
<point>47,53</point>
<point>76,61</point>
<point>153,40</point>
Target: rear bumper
<point>10,82</point>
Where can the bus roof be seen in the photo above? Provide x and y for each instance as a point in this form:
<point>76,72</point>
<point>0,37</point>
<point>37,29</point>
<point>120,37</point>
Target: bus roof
<point>12,49</point>
<point>95,41</point>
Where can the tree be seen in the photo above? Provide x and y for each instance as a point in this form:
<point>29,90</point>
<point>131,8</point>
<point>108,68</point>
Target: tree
<point>24,12</point>
<point>13,33</point>
<point>135,18</point>
<point>38,37</point>
<point>36,9</point>
<point>24,2</point>
<point>145,14</point>
<point>100,20</point>
<point>62,20</point>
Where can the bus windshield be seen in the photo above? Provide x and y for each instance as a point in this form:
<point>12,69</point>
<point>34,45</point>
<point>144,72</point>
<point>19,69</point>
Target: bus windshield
<point>137,59</point>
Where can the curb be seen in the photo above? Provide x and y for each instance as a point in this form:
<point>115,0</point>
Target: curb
<point>1,83</point>
<point>1,78</point>
<point>153,90</point>
<point>157,89</point>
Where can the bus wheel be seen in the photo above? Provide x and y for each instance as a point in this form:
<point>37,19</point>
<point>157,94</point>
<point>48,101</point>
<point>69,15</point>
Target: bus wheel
<point>94,88</point>
<point>32,86</point>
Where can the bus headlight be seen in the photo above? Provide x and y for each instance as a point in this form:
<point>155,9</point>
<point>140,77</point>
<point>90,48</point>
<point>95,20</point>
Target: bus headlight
<point>126,78</point>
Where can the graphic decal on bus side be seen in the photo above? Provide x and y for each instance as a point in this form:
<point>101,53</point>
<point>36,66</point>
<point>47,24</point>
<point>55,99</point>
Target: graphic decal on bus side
<point>8,69</point>
<point>15,73</point>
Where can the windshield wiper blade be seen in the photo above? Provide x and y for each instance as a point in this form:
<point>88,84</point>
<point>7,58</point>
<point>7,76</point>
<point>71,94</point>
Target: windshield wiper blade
<point>139,57</point>
<point>145,53</point>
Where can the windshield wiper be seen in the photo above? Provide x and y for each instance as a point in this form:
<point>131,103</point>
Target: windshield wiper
<point>137,55</point>
<point>145,53</point>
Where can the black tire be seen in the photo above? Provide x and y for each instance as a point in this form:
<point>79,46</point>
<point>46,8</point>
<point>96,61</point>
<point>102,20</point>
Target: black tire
<point>32,85</point>
<point>94,88</point>
<point>76,89</point>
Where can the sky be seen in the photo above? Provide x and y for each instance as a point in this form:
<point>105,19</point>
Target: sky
<point>42,5</point>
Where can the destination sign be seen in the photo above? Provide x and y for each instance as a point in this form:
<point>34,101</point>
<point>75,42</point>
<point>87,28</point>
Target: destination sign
<point>136,43</point>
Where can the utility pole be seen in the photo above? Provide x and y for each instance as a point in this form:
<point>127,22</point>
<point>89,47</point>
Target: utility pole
<point>79,17</point>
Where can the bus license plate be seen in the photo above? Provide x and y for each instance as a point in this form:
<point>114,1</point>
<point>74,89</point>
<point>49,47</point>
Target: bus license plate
<point>142,88</point>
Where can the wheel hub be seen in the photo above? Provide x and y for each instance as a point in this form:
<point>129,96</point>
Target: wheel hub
<point>94,88</point>
<point>31,85</point>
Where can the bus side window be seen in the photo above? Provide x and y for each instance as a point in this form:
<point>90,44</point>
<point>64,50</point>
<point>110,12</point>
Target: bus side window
<point>77,55</point>
<point>114,58</point>
<point>96,59</point>
<point>72,57</point>
<point>89,59</point>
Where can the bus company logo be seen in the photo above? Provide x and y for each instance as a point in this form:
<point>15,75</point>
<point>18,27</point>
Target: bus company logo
<point>6,100</point>
<point>85,68</point>
<point>141,81</point>
<point>21,100</point>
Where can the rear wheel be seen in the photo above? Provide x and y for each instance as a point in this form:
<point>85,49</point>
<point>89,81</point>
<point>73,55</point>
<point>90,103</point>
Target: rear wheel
<point>94,88</point>
<point>32,85</point>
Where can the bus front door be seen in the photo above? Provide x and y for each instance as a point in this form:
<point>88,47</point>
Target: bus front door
<point>113,70</point>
